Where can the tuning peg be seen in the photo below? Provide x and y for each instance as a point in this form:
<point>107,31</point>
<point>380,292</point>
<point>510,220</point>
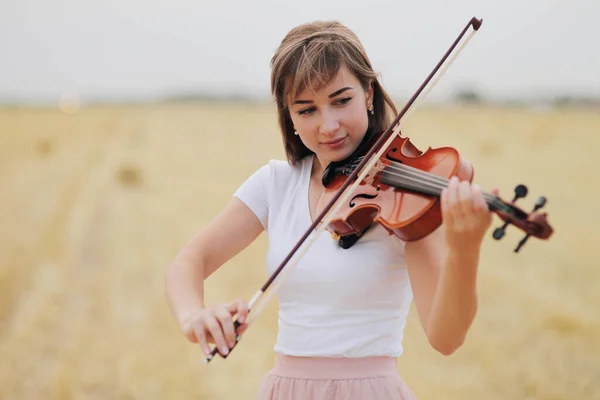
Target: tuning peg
<point>521,243</point>
<point>499,232</point>
<point>520,192</point>
<point>539,203</point>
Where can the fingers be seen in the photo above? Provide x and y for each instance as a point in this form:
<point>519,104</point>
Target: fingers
<point>242,328</point>
<point>226,322</point>
<point>239,307</point>
<point>201,338</point>
<point>213,326</point>
<point>479,204</point>
<point>445,206</point>
<point>465,198</point>
<point>461,200</point>
<point>450,201</point>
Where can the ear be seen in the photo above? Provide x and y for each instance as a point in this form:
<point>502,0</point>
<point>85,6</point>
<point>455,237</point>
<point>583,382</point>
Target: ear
<point>370,93</point>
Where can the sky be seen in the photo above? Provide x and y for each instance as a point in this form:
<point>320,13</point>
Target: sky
<point>142,50</point>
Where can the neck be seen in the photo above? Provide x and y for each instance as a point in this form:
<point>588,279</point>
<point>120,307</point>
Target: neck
<point>318,166</point>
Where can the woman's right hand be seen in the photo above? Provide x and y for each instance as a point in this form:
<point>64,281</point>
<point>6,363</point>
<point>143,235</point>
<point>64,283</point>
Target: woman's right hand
<point>215,325</point>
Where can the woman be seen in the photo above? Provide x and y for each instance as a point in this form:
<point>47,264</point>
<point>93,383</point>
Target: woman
<point>342,311</point>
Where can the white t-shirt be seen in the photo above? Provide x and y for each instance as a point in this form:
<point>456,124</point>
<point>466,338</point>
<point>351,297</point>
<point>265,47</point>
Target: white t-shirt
<point>336,302</point>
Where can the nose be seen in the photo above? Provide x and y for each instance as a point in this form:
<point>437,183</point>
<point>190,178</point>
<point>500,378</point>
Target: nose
<point>329,123</point>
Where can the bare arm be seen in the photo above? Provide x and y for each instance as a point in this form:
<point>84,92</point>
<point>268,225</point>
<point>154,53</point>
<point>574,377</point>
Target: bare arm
<point>444,286</point>
<point>443,267</point>
<point>234,228</point>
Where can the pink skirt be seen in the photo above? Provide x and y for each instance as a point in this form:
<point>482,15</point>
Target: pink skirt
<point>306,378</point>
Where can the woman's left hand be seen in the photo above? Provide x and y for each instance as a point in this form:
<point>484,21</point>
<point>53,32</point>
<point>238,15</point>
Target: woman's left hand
<point>465,214</point>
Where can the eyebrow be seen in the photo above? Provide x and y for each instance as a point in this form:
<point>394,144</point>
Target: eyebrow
<point>342,90</point>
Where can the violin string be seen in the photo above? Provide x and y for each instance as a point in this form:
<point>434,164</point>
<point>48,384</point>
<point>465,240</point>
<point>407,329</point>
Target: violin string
<point>424,175</point>
<point>434,184</point>
<point>414,179</point>
<point>435,189</point>
<point>420,177</point>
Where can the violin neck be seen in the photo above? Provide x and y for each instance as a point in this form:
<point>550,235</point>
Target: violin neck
<point>424,183</point>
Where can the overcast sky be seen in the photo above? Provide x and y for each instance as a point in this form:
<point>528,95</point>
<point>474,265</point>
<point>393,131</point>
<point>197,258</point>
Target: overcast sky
<point>129,49</point>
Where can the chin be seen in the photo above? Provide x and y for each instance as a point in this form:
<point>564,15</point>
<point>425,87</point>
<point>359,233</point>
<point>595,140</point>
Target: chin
<point>342,153</point>
<point>339,156</point>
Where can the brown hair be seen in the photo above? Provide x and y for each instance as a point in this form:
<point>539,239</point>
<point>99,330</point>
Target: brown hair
<point>310,56</point>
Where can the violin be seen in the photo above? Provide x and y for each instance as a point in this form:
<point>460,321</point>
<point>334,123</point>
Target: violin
<point>389,181</point>
<point>402,193</point>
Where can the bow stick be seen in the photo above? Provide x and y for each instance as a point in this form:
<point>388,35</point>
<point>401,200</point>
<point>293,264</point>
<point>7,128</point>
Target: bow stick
<point>357,176</point>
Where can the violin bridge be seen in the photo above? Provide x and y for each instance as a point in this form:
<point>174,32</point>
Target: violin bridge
<point>377,168</point>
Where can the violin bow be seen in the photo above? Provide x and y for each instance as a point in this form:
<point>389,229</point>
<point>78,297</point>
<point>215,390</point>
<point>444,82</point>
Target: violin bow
<point>358,175</point>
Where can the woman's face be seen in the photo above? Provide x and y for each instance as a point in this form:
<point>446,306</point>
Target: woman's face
<point>333,121</point>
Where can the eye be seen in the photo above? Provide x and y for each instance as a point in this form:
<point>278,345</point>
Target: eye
<point>306,111</point>
<point>343,101</point>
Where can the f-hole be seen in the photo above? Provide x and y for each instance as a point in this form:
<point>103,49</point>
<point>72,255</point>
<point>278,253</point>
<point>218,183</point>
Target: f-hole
<point>390,157</point>
<point>363,196</point>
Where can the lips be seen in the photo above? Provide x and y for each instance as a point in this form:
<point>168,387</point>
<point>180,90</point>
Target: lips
<point>334,141</point>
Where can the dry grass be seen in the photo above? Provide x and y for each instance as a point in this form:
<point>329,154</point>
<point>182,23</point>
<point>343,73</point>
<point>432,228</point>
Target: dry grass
<point>95,205</point>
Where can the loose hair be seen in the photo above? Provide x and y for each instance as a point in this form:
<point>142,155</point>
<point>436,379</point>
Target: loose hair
<point>309,57</point>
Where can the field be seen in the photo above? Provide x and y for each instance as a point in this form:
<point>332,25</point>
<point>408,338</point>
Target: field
<point>95,205</point>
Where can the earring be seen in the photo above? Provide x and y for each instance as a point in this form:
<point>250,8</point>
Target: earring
<point>296,133</point>
<point>371,110</point>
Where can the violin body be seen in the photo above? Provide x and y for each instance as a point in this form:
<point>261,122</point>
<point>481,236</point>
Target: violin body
<point>403,212</point>
<point>402,193</point>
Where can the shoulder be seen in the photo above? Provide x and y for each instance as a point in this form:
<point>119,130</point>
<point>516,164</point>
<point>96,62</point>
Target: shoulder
<point>275,176</point>
<point>283,174</point>
<point>282,167</point>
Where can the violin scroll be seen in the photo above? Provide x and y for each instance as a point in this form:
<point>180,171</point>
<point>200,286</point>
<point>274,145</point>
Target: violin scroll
<point>533,224</point>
